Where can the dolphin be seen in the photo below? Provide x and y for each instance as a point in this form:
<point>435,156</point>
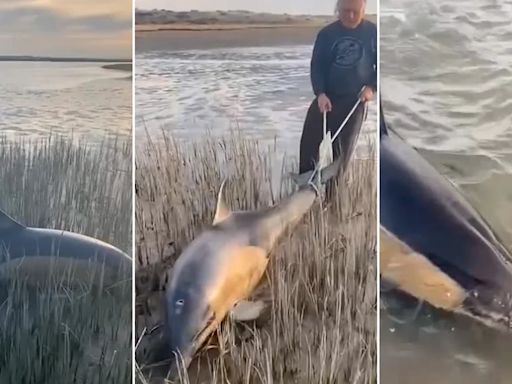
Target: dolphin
<point>217,272</point>
<point>37,252</point>
<point>434,245</point>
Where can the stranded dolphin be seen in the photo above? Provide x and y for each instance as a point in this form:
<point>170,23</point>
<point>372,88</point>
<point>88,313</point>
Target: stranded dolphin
<point>434,245</point>
<point>223,265</point>
<point>36,251</point>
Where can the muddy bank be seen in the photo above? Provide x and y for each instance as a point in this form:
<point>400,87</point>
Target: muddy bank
<point>171,37</point>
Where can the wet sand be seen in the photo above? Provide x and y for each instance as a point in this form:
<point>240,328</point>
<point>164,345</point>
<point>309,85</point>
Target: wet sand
<point>221,27</point>
<point>171,37</point>
<point>171,40</point>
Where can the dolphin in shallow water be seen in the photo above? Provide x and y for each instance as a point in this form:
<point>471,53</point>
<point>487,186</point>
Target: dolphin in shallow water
<point>35,252</point>
<point>219,270</point>
<point>433,244</point>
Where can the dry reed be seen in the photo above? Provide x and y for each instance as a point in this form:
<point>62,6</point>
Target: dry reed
<point>321,283</point>
<point>52,334</point>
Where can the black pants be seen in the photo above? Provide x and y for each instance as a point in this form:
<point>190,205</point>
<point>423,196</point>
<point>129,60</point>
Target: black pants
<point>345,143</point>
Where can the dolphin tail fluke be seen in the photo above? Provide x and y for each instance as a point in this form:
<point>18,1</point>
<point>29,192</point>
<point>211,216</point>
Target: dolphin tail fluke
<point>319,176</point>
<point>325,169</point>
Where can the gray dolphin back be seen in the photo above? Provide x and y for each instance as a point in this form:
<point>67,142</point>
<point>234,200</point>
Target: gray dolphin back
<point>36,248</point>
<point>428,213</point>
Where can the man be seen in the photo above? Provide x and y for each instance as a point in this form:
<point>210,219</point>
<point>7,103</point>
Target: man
<point>343,69</point>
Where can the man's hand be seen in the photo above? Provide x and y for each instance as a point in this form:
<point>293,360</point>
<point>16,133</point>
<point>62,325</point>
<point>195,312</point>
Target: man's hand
<point>366,94</point>
<point>324,104</point>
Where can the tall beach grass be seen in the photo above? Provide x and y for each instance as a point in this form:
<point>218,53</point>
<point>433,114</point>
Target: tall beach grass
<point>53,334</point>
<point>320,284</point>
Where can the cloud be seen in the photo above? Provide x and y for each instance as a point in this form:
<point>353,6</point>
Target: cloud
<point>118,9</point>
<point>56,24</point>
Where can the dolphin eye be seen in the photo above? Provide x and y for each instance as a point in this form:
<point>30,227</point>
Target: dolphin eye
<point>179,306</point>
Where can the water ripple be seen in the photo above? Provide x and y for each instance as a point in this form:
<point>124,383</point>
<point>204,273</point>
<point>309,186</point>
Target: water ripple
<point>72,99</point>
<point>265,91</point>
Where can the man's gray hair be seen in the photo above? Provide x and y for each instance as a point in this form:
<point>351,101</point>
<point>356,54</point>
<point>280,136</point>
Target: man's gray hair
<point>338,6</point>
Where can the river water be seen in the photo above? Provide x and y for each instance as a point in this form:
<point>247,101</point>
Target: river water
<point>264,91</point>
<point>82,100</point>
<point>447,89</point>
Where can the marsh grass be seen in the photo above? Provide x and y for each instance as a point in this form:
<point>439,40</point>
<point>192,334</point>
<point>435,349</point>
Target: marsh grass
<point>320,284</point>
<point>60,333</point>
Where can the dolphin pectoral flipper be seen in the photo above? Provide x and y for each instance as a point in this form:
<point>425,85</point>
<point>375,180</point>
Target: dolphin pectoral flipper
<point>7,223</point>
<point>415,275</point>
<point>246,310</point>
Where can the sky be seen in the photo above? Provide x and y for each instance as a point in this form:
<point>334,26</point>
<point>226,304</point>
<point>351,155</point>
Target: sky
<point>313,7</point>
<point>66,28</point>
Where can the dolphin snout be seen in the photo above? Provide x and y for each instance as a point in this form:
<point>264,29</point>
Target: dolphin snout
<point>181,349</point>
<point>187,316</point>
<point>491,304</point>
<point>181,343</point>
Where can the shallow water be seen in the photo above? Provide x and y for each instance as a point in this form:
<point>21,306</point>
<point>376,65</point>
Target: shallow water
<point>447,89</point>
<point>265,91</point>
<point>81,100</point>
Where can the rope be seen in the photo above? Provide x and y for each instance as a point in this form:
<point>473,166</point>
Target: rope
<point>325,124</point>
<point>346,120</point>
<point>317,170</point>
<point>348,116</point>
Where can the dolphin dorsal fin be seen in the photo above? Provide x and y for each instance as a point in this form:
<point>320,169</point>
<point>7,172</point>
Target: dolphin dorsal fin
<point>8,223</point>
<point>222,211</point>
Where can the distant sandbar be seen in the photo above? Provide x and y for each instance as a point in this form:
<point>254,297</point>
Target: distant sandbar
<point>63,59</point>
<point>127,67</point>
<point>168,30</point>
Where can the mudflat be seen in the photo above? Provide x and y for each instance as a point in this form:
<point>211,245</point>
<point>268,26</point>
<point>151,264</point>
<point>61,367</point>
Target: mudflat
<point>186,36</point>
<point>179,39</point>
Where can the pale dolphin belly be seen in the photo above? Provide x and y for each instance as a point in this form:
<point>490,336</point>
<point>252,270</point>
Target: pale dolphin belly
<point>415,274</point>
<point>39,253</point>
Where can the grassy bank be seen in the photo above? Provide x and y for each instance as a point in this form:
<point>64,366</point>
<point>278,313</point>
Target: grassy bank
<point>149,20</point>
<point>53,334</point>
<point>321,282</point>
<point>169,31</point>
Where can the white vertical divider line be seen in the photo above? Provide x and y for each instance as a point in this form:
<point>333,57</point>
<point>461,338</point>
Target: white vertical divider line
<point>378,192</point>
<point>132,4</point>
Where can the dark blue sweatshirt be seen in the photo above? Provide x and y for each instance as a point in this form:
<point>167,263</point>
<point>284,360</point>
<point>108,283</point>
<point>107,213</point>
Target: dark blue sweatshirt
<point>344,60</point>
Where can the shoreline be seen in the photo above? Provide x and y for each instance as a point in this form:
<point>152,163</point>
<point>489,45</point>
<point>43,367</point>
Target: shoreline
<point>190,36</point>
<point>61,59</point>
<point>237,24</point>
<point>146,28</point>
<point>185,40</point>
<point>123,67</point>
